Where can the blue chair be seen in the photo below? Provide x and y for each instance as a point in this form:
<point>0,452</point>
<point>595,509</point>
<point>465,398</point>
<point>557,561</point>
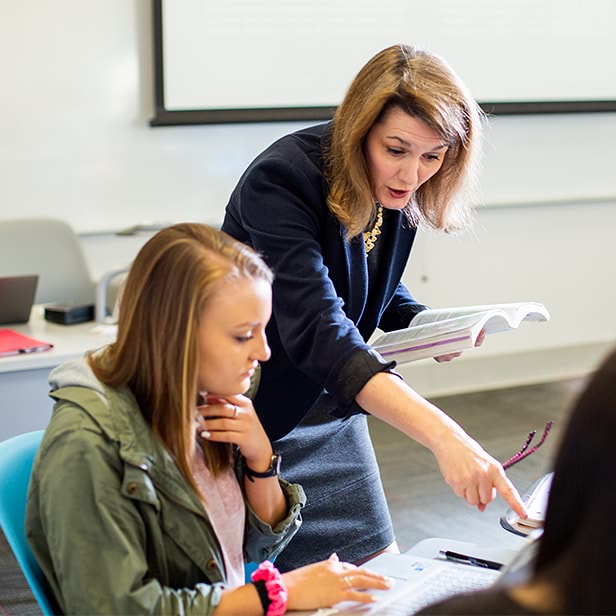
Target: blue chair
<point>249,569</point>
<point>16,458</point>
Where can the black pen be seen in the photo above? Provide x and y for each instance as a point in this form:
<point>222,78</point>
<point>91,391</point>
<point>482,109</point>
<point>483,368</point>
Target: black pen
<point>470,560</point>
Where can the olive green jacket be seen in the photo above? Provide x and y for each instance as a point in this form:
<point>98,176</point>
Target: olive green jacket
<point>113,523</point>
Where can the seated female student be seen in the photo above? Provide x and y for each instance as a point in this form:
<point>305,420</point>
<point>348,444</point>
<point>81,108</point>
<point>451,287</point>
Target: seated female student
<point>155,478</point>
<point>575,567</point>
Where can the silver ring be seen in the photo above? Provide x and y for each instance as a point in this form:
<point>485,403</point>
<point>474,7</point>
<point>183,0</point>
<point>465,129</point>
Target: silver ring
<point>235,410</point>
<point>347,581</point>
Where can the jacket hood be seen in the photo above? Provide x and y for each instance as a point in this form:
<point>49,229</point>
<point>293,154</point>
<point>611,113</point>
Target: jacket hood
<point>75,373</point>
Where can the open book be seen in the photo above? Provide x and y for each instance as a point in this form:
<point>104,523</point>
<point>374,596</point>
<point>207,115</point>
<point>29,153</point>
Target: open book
<point>449,330</point>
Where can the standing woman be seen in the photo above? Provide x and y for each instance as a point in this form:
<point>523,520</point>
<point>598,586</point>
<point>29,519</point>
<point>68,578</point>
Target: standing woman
<point>152,482</point>
<point>334,210</point>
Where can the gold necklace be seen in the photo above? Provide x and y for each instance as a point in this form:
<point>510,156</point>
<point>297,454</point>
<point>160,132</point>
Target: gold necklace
<point>371,236</point>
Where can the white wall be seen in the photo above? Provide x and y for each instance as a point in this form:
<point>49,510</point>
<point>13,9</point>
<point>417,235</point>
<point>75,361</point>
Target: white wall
<point>77,97</point>
<point>562,255</point>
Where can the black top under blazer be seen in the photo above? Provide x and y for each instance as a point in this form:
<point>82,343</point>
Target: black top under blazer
<point>322,311</point>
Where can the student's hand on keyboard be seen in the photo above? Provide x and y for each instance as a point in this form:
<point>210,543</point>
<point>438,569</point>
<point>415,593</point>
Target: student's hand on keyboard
<point>331,581</point>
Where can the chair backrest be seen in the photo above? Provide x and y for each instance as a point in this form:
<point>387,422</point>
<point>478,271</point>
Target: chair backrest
<point>16,458</point>
<point>51,249</point>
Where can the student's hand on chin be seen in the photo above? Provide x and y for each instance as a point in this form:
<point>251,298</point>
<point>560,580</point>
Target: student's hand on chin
<point>232,419</point>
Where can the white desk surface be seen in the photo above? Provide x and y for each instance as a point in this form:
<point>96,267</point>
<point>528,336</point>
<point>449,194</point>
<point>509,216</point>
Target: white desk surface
<point>24,401</point>
<point>70,341</point>
<point>430,548</point>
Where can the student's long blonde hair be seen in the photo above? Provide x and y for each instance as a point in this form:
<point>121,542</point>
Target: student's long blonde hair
<point>423,85</point>
<point>171,281</point>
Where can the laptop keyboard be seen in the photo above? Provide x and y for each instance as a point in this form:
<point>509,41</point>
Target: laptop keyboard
<point>439,586</point>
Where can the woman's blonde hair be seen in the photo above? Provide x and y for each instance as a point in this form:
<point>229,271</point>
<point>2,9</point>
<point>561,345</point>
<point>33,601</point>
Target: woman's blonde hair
<point>156,352</point>
<point>423,85</point>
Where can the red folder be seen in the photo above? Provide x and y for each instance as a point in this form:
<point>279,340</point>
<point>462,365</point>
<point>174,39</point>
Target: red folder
<point>13,343</point>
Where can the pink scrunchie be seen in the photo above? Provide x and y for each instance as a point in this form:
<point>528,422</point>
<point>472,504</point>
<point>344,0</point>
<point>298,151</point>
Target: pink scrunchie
<point>276,590</point>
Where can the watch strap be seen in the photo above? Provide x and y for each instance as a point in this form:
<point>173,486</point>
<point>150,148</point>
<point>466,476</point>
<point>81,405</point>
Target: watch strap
<point>272,471</point>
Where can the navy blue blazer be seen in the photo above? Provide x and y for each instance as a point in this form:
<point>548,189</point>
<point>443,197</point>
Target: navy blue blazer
<point>322,311</point>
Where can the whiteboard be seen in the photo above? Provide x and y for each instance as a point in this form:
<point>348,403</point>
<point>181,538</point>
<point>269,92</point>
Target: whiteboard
<point>278,55</point>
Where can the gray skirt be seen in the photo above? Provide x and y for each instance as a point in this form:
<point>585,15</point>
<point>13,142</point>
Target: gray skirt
<point>346,511</point>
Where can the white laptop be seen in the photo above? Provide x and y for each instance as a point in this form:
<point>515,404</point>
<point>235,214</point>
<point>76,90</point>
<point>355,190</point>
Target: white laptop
<point>420,581</point>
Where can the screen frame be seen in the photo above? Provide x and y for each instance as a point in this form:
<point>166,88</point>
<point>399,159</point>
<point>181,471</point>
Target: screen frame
<point>166,117</point>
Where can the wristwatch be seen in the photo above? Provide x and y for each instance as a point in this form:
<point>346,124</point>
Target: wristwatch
<point>272,471</point>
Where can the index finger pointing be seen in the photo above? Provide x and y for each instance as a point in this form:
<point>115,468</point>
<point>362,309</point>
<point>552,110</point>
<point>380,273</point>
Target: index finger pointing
<point>510,495</point>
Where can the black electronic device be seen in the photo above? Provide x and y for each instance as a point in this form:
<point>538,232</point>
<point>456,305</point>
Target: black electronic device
<point>69,314</point>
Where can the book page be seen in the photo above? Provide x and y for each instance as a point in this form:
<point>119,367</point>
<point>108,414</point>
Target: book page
<point>425,348</point>
<point>428,330</point>
<point>449,330</point>
<point>517,311</point>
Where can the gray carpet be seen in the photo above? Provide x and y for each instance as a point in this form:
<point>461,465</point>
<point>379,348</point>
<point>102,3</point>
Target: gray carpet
<point>421,503</point>
<point>15,596</point>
